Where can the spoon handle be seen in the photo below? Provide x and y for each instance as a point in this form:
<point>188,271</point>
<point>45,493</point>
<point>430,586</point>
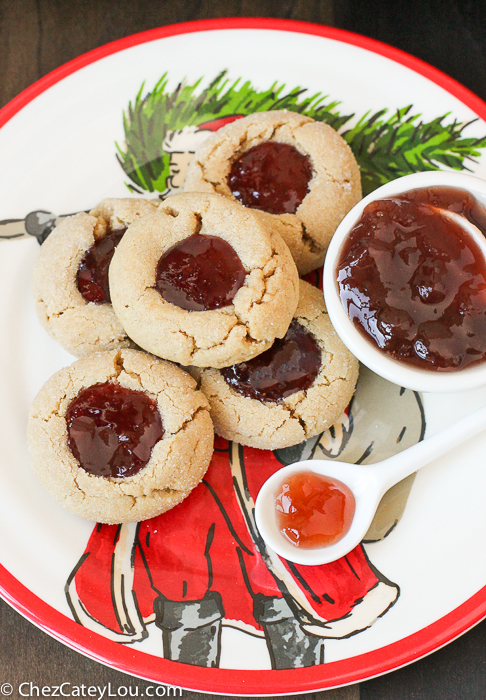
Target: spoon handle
<point>401,465</point>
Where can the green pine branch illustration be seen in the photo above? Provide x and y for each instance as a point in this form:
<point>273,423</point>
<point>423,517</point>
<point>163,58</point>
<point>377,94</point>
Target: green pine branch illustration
<point>386,145</point>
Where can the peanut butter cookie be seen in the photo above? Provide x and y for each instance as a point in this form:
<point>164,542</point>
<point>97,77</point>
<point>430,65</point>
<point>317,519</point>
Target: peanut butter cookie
<point>120,436</point>
<point>71,289</point>
<point>293,391</point>
<point>202,282</point>
<point>300,174</point>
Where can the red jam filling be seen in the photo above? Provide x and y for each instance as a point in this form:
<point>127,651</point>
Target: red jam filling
<point>272,176</point>
<point>200,273</point>
<point>112,430</point>
<point>290,365</point>
<point>414,281</point>
<point>92,277</point>
<point>313,510</point>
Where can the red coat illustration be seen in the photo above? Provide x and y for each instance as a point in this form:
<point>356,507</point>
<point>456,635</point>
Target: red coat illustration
<point>203,565</point>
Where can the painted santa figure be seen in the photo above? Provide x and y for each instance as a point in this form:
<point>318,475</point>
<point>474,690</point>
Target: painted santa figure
<point>202,566</point>
<point>181,145</point>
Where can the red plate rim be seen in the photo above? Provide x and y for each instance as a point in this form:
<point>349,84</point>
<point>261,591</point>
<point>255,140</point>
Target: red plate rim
<point>230,681</point>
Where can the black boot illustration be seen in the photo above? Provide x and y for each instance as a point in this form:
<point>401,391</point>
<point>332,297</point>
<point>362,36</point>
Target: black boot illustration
<point>289,646</point>
<point>191,631</point>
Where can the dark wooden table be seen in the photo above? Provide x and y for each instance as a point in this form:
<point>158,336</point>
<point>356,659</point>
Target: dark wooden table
<point>36,36</point>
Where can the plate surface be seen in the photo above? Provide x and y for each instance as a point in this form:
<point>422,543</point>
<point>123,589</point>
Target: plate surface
<point>192,598</point>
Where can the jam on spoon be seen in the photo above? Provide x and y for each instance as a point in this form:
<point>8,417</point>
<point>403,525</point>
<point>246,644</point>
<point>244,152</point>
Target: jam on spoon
<point>200,274</point>
<point>271,176</point>
<point>413,280</point>
<point>112,430</point>
<point>313,510</point>
<point>92,275</point>
<point>290,365</point>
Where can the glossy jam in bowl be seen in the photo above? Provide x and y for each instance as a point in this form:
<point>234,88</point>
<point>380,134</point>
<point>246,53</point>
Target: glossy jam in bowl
<point>409,298</point>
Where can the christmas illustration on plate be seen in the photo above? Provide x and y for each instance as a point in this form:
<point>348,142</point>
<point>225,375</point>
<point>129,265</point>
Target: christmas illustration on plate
<point>202,567</point>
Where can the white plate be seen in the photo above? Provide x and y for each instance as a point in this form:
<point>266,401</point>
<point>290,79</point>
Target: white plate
<point>58,153</point>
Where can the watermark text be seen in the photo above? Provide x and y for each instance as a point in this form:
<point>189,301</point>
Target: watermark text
<point>28,689</point>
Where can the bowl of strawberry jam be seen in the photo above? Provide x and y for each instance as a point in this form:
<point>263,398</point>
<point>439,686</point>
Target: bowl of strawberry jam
<point>405,281</point>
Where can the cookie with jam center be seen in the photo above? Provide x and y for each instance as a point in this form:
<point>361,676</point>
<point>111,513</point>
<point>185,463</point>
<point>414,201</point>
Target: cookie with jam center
<point>120,436</point>
<point>202,282</point>
<point>299,174</point>
<point>71,289</point>
<point>295,390</point>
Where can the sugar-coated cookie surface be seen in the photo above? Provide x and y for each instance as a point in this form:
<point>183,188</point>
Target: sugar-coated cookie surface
<point>261,309</point>
<point>273,425</point>
<point>81,327</point>
<point>177,463</point>
<point>334,189</point>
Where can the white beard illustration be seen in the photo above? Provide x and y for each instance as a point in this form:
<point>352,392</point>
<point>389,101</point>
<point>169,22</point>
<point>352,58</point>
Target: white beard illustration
<point>181,145</point>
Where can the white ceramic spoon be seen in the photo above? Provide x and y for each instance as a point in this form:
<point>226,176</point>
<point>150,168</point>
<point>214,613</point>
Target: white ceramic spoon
<point>368,484</point>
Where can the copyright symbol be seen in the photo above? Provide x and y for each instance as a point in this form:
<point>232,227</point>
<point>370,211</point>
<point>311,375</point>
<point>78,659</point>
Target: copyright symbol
<point>6,689</point>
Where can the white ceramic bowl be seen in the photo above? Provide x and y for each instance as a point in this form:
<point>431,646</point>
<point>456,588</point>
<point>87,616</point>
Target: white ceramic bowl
<point>365,350</point>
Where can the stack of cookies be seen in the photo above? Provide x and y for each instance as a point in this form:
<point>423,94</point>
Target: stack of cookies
<point>206,284</point>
